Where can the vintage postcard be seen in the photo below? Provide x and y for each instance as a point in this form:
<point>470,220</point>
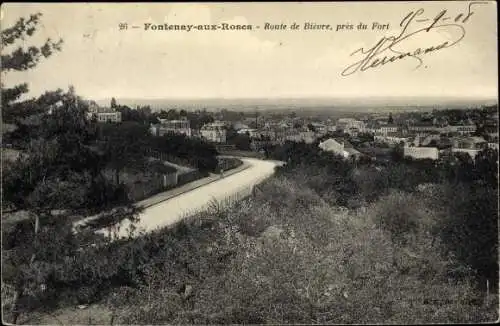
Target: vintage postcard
<point>249,163</point>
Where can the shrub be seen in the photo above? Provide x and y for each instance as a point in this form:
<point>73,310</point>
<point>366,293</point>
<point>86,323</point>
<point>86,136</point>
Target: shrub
<point>399,213</point>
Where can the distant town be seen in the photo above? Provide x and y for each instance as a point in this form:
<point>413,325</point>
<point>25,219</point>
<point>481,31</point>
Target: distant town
<point>434,135</point>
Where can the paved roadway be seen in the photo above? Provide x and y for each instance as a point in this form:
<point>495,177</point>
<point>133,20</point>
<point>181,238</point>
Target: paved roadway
<point>173,210</point>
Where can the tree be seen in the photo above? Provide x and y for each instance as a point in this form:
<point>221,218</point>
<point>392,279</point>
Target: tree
<point>365,137</point>
<point>397,153</point>
<point>311,127</point>
<point>21,59</point>
<point>142,115</point>
<point>231,133</point>
<point>172,114</point>
<point>145,109</point>
<point>470,230</point>
<point>113,103</point>
<point>199,119</point>
<point>390,120</point>
<point>59,172</point>
<point>242,142</point>
<point>123,145</point>
<point>29,128</point>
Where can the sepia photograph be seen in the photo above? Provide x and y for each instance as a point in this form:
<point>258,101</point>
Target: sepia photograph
<point>249,163</point>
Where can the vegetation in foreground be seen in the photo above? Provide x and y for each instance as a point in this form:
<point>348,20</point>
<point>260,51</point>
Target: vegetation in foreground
<point>293,254</point>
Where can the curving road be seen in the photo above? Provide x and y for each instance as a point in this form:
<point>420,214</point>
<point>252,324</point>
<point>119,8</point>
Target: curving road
<point>173,210</point>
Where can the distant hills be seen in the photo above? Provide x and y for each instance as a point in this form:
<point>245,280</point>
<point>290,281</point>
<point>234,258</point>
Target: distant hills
<point>366,104</point>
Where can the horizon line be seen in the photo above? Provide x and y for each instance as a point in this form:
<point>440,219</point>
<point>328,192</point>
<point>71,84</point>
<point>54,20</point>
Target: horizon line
<point>353,97</point>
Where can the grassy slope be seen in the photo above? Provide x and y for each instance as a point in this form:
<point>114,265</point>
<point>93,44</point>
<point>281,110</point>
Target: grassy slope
<point>288,256</point>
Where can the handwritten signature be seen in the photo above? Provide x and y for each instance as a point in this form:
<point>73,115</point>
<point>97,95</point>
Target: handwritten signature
<point>385,52</point>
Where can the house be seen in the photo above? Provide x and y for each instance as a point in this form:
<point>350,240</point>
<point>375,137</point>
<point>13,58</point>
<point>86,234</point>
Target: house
<point>421,152</point>
<point>302,135</point>
<point>349,125</point>
<point>372,127</point>
<point>171,127</point>
<point>319,127</point>
<point>493,146</point>
<point>424,128</point>
<point>333,146</point>
<point>109,116</point>
<point>342,148</point>
<point>387,129</point>
<point>331,129</point>
<point>268,133</point>
<point>469,145</point>
<point>391,138</point>
<point>307,136</point>
<point>104,114</point>
<point>215,132</point>
<point>461,129</point>
<point>253,133</point>
<point>238,126</point>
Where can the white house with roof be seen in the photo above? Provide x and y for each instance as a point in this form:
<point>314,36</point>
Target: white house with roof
<point>333,146</point>
<point>249,131</point>
<point>339,148</point>
<point>421,152</point>
<point>239,126</point>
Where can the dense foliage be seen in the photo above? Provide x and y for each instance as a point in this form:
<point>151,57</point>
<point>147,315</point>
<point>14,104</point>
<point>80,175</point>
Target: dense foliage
<point>192,152</point>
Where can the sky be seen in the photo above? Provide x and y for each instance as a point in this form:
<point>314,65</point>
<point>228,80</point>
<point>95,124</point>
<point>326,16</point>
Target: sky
<point>102,61</point>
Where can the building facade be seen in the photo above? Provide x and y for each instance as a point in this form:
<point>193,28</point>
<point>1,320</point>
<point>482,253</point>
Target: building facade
<point>103,114</point>
<point>462,130</point>
<point>175,127</point>
<point>469,145</point>
<point>350,126</point>
<point>215,132</point>
<point>386,130</point>
<point>333,146</point>
<point>424,129</point>
<point>421,152</point>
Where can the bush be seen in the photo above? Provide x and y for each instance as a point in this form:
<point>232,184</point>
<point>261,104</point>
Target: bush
<point>470,229</point>
<point>401,214</point>
<point>291,255</point>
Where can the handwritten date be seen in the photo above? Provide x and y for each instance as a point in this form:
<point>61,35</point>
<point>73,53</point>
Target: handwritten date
<point>389,48</point>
